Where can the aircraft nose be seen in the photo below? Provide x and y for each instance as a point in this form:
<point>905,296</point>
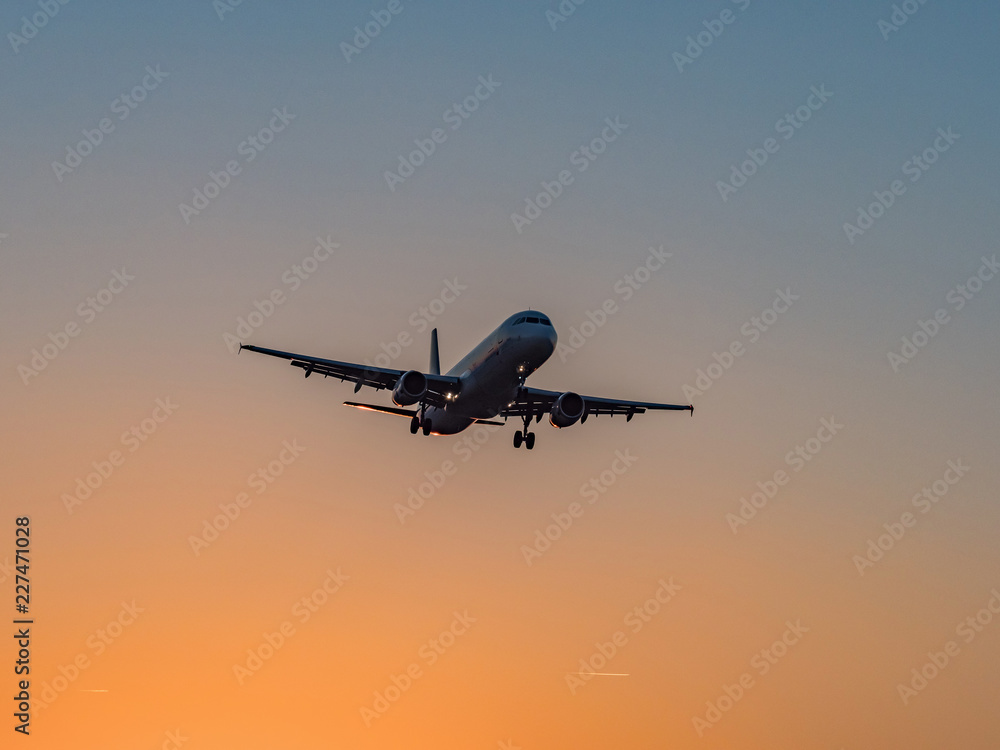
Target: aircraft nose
<point>553,338</point>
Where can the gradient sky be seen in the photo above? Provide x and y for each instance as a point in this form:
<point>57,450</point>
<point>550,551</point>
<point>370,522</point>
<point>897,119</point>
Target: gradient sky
<point>504,682</point>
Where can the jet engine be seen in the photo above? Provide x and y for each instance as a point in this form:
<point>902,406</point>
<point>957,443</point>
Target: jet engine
<point>567,410</point>
<point>410,388</point>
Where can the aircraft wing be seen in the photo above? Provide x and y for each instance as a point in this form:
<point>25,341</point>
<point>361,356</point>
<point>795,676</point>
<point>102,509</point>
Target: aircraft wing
<point>378,378</point>
<point>535,402</point>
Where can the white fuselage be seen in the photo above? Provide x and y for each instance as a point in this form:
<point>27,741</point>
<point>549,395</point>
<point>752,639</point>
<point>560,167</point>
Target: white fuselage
<point>492,372</point>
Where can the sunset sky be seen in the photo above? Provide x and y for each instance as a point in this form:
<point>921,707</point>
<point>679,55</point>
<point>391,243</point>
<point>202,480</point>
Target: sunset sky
<point>223,556</point>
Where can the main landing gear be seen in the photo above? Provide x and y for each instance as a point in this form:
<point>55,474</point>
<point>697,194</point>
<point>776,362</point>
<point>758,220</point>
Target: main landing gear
<point>420,421</point>
<point>528,438</point>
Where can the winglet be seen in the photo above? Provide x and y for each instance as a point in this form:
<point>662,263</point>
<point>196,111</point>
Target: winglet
<point>240,349</point>
<point>692,410</point>
<point>435,360</point>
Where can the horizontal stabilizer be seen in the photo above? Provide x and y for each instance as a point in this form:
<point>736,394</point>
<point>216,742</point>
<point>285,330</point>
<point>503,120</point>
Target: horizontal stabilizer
<point>407,412</point>
<point>383,409</point>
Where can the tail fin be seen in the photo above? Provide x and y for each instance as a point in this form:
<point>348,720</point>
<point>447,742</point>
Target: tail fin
<point>435,360</point>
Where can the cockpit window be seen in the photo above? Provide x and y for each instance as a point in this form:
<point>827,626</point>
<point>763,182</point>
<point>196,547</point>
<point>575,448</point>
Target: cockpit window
<point>532,319</point>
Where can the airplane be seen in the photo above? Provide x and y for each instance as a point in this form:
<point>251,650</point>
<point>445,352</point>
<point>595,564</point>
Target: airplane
<point>487,383</point>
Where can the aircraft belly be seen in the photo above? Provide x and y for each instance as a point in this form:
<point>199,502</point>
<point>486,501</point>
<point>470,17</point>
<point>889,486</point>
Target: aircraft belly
<point>447,423</point>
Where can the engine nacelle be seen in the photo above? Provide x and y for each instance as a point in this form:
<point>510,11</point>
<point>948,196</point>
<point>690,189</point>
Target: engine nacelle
<point>567,410</point>
<point>410,388</point>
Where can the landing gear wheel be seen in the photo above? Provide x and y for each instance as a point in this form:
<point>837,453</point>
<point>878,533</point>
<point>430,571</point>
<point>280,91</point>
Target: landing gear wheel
<point>527,437</point>
<point>414,424</point>
<point>427,426</point>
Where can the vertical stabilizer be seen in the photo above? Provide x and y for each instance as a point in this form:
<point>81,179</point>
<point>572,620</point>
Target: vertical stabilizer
<point>435,359</point>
